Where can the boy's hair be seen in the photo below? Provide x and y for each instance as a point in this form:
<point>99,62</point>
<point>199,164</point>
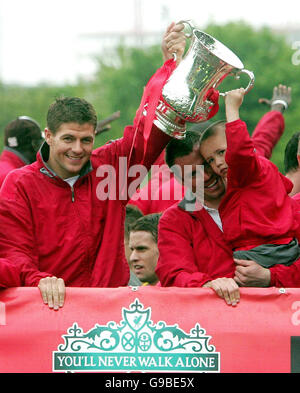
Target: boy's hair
<point>290,153</point>
<point>70,110</point>
<point>211,130</point>
<point>177,148</point>
<point>148,223</point>
<point>132,214</point>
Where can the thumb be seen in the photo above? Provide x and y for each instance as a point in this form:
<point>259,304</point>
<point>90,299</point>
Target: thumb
<point>242,262</point>
<point>264,101</point>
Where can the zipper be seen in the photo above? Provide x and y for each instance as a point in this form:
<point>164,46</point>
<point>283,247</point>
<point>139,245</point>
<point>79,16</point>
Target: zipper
<point>72,194</point>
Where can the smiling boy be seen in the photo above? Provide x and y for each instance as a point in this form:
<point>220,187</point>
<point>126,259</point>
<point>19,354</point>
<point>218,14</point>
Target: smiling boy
<point>256,212</point>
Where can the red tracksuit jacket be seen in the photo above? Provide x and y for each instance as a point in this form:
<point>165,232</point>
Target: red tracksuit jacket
<point>9,160</point>
<point>192,249</point>
<point>47,228</point>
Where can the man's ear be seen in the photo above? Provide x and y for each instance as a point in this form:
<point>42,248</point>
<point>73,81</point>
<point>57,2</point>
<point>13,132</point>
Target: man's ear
<point>48,136</point>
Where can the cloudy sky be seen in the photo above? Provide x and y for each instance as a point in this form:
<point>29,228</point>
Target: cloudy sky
<point>52,40</point>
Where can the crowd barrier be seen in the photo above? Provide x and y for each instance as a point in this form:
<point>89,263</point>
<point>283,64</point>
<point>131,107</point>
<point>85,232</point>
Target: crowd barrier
<point>150,329</point>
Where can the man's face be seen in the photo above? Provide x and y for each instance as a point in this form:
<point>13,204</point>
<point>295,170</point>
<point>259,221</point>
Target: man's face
<point>144,256</point>
<point>214,187</point>
<point>127,250</point>
<point>190,169</point>
<point>70,148</point>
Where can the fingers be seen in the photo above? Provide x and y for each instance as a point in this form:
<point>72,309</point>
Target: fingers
<point>239,278</point>
<point>176,46</point>
<point>231,293</point>
<point>240,270</point>
<point>169,28</point>
<point>282,92</point>
<point>227,289</point>
<point>175,42</point>
<point>275,91</point>
<point>242,262</point>
<point>236,94</point>
<point>241,90</point>
<point>178,27</point>
<point>52,291</point>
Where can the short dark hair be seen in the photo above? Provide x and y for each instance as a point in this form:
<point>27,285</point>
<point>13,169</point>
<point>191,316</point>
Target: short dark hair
<point>70,110</point>
<point>20,133</point>
<point>148,223</point>
<point>290,153</point>
<point>181,147</point>
<point>132,214</point>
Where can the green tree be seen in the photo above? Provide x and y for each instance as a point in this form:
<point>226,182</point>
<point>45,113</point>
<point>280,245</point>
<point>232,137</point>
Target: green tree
<point>119,83</point>
<point>31,101</point>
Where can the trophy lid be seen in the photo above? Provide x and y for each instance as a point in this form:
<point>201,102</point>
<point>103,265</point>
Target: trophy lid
<point>218,49</point>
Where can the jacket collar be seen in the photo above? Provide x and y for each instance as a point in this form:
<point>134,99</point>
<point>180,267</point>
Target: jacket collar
<point>196,209</point>
<point>16,153</point>
<point>43,157</point>
<point>189,203</point>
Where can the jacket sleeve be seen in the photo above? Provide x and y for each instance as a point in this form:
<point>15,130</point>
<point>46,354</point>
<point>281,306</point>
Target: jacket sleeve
<point>268,132</point>
<point>243,161</point>
<point>131,157</point>
<point>176,264</point>
<point>17,242</point>
<point>148,199</point>
<point>9,274</point>
<point>142,143</point>
<point>286,276</point>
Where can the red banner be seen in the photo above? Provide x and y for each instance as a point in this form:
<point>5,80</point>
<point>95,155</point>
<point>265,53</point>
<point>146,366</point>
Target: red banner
<point>150,329</point>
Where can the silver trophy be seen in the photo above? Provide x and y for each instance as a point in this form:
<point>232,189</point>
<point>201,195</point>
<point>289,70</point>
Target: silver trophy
<point>204,66</point>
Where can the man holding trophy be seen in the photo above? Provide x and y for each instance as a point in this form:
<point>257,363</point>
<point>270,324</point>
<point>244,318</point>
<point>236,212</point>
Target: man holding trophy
<point>56,230</point>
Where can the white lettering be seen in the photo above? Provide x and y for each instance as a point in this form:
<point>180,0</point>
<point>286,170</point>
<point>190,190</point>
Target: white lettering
<point>2,314</point>
<point>296,55</point>
<point>133,171</point>
<point>296,316</point>
<point>106,188</point>
<point>119,383</point>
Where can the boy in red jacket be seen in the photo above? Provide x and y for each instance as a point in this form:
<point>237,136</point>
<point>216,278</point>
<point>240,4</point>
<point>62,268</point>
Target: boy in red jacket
<point>256,212</point>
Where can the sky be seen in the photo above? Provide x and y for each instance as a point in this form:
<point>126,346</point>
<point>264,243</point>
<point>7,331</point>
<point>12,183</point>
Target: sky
<point>53,41</point>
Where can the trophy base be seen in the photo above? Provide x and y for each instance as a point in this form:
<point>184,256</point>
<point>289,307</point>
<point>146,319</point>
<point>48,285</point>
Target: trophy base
<point>169,121</point>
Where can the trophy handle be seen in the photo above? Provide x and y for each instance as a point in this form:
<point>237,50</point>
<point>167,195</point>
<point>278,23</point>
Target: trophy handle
<point>188,27</point>
<point>250,84</point>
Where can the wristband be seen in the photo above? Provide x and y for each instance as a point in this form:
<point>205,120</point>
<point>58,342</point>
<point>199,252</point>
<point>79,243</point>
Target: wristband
<point>281,102</point>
